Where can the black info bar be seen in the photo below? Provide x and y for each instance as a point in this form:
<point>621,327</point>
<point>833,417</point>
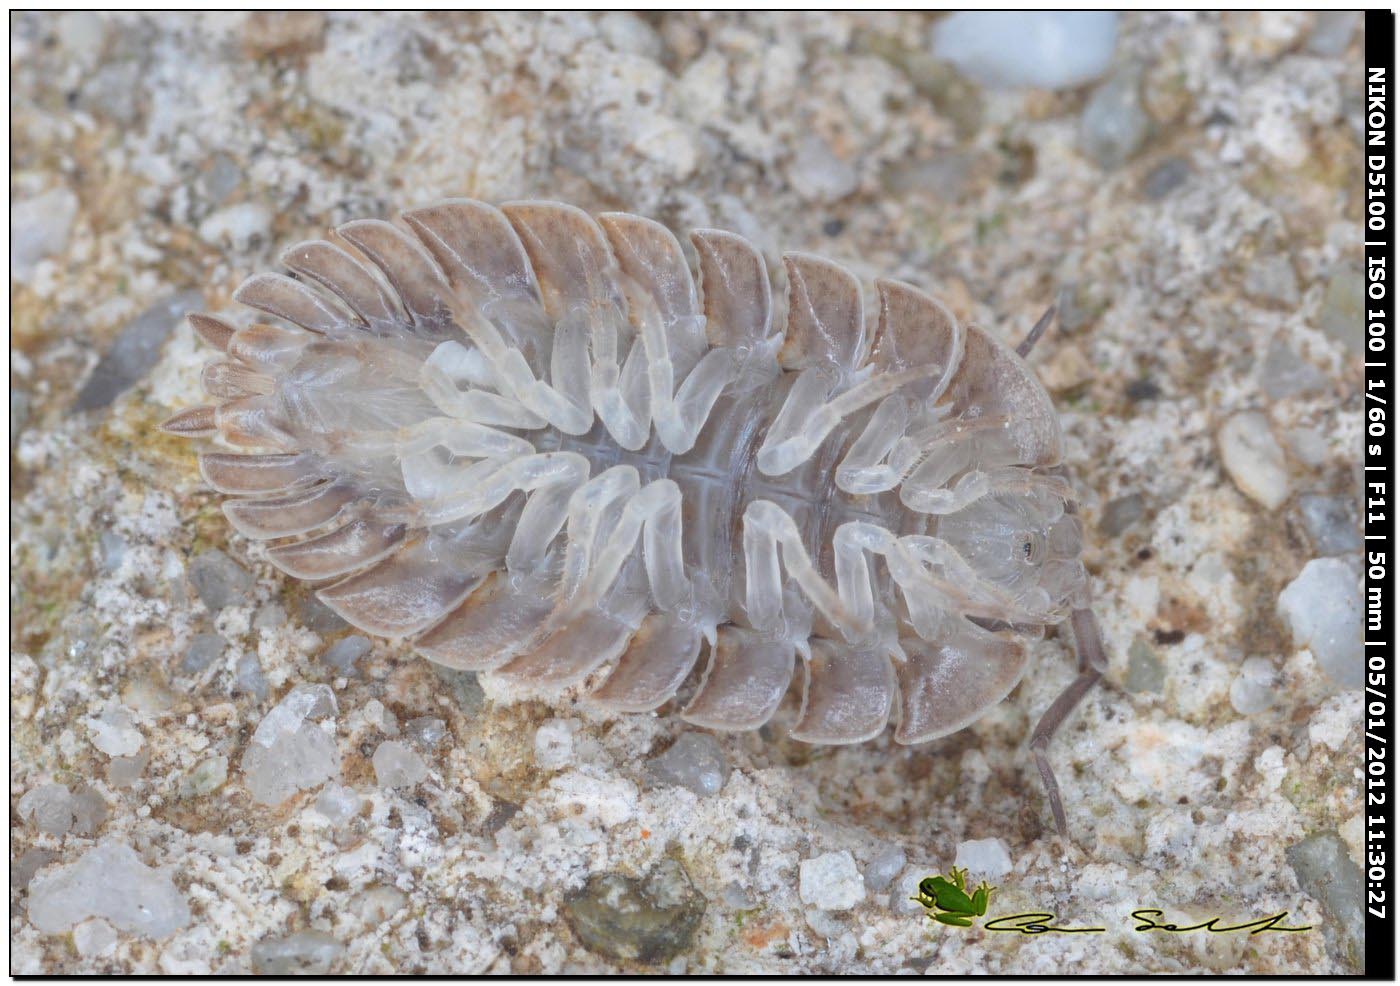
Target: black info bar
<point>1379,483</point>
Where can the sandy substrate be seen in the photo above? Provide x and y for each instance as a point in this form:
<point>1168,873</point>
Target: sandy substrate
<point>1196,210</point>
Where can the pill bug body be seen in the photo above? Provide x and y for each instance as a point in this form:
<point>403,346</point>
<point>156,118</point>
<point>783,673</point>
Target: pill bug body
<point>530,442</point>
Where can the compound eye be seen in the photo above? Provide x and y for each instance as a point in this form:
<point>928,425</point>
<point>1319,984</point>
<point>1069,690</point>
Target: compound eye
<point>1030,546</point>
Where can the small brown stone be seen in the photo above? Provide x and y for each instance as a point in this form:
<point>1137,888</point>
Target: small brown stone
<point>283,33</point>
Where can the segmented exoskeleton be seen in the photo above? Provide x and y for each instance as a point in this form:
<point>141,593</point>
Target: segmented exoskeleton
<point>520,437</point>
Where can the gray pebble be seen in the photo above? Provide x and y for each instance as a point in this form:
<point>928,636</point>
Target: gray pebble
<point>1271,279</point>
<point>650,920</point>
<point>695,761</point>
<point>1044,49</point>
<point>949,174</point>
<point>906,887</point>
<point>204,650</point>
<point>39,228</point>
<point>817,174</point>
<point>337,803</point>
<point>108,881</point>
<point>49,808</point>
<point>1326,873</point>
<point>113,548</point>
<point>206,777</point>
<point>248,678</point>
<point>31,861</point>
<point>1121,513</point>
<point>397,765</point>
<point>19,412</point>
<point>343,654</point>
<point>1146,673</point>
<point>1332,32</point>
<point>464,688</point>
<point>126,771</point>
<point>89,810</point>
<point>1344,308</point>
<point>219,581</point>
<point>1114,125</point>
<point>1255,688</point>
<point>1331,522</point>
<point>883,867</point>
<point>1283,373</point>
<point>1253,458</point>
<point>117,92</point>
<point>736,898</point>
<point>1323,608</point>
<point>306,953</point>
<point>220,178</point>
<point>135,351</point>
<point>1166,178</point>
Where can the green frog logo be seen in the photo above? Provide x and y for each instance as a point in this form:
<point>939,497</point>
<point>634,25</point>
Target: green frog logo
<point>948,902</point>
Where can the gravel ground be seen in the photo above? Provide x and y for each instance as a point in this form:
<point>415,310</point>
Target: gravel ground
<point>1193,201</point>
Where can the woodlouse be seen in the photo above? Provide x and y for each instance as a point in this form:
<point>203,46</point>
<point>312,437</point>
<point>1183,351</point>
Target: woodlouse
<point>520,437</point>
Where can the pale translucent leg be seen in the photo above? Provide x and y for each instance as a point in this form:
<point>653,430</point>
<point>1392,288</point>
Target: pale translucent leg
<point>434,482</point>
<point>485,485</point>
<point>569,361</point>
<point>1092,664</point>
<point>975,485</point>
<point>883,455</point>
<point>883,476</point>
<point>783,447</point>
<point>679,416</point>
<point>918,494</point>
<point>452,365</point>
<point>905,558</point>
<point>464,438</point>
<point>627,423</point>
<point>941,459</point>
<point>570,372</point>
<point>766,527</point>
<point>654,514</point>
<point>662,547</point>
<point>908,559</point>
<point>851,605</point>
<point>850,544</point>
<point>587,507</point>
<point>634,387</point>
<point>863,470</point>
<point>805,421</point>
<point>545,512</point>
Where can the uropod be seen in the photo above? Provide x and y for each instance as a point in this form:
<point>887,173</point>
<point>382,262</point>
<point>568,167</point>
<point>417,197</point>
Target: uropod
<point>528,441</point>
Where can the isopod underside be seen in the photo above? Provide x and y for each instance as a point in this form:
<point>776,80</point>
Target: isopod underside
<point>528,441</point>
